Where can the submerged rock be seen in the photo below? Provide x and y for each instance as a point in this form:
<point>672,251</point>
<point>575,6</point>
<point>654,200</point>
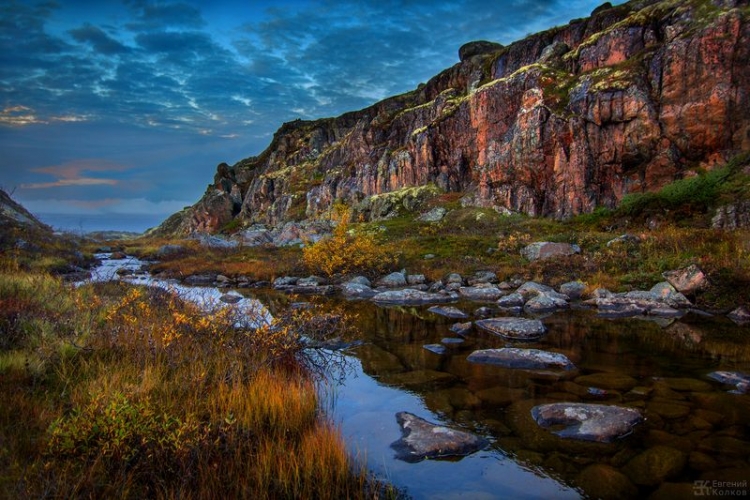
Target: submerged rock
<point>435,348</point>
<point>655,465</point>
<point>513,328</point>
<point>448,312</point>
<point>421,439</point>
<point>587,422</point>
<point>512,357</point>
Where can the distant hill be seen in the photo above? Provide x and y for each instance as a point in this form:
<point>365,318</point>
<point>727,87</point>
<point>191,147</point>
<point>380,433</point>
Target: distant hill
<point>12,214</point>
<point>631,99</point>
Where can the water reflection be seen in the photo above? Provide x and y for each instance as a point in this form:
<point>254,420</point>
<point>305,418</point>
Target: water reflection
<point>694,428</point>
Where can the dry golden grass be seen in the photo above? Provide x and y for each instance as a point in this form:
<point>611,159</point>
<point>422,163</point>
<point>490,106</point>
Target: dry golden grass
<point>138,395</point>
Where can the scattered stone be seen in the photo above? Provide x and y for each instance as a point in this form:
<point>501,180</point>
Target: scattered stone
<point>362,280</point>
<point>416,279</point>
<point>118,256</point>
<point>482,277</point>
<point>462,329</point>
<point>354,290</point>
<point>687,280</point>
<point>484,312</point>
<point>740,380</point>
<point>410,296</point>
<point>434,215</point>
<point>448,312</point>
<point>544,304</point>
<point>429,256</point>
<point>484,292</point>
<point>212,241</point>
<point>546,250</point>
<point>514,299</point>
<point>312,281</point>
<point>223,279</point>
<point>454,278</point>
<point>231,298</point>
<point>529,359</point>
<point>573,289</point>
<point>435,348</point>
<point>422,439</point>
<point>741,315</point>
<point>624,239</point>
<point>285,281</point>
<point>587,422</point>
<point>655,465</point>
<point>513,328</point>
<point>532,289</point>
<point>393,280</point>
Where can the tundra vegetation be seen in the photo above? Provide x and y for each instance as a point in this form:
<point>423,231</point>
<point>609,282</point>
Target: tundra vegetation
<point>671,228</point>
<point>116,391</point>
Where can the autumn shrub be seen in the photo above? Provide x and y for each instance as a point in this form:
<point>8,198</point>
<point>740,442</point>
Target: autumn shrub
<point>347,251</point>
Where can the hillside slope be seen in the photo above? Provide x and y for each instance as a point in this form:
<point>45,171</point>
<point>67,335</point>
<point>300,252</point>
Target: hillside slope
<point>625,101</point>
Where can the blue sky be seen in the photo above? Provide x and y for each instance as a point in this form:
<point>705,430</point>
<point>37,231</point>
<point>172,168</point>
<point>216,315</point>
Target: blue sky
<point>126,107</point>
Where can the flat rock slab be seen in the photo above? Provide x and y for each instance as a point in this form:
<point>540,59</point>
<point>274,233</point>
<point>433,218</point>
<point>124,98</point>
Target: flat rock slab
<point>410,296</point>
<point>529,359</point>
<point>422,439</point>
<point>587,422</point>
<point>513,328</point>
<point>448,312</point>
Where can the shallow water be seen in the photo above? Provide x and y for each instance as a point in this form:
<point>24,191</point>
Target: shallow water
<point>694,428</point>
<point>695,439</point>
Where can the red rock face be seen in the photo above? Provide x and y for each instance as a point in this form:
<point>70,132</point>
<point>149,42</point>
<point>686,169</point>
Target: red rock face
<point>625,101</point>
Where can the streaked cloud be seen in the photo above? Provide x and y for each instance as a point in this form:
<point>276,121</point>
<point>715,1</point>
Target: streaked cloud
<point>75,173</point>
<point>174,87</point>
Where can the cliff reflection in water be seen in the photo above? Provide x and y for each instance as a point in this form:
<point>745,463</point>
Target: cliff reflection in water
<point>694,428</point>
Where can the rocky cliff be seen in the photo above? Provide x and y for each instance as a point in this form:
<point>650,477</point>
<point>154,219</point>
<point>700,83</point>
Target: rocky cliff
<point>627,100</point>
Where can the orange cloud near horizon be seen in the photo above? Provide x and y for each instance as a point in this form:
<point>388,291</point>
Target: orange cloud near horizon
<point>77,173</point>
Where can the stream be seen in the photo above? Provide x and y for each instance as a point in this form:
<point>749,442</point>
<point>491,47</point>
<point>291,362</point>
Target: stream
<point>694,440</point>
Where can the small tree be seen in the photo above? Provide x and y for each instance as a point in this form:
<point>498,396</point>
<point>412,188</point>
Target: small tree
<point>346,252</point>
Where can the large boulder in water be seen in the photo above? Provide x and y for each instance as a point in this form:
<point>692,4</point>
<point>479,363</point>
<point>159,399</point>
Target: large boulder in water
<point>587,422</point>
<point>513,328</point>
<point>422,439</point>
<point>513,357</point>
<point>409,296</point>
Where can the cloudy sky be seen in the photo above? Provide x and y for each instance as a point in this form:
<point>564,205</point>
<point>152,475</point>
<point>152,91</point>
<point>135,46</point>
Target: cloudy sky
<point>126,107</point>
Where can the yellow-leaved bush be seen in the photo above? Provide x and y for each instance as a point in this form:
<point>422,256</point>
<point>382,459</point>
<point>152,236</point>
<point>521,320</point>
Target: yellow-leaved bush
<point>346,252</point>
